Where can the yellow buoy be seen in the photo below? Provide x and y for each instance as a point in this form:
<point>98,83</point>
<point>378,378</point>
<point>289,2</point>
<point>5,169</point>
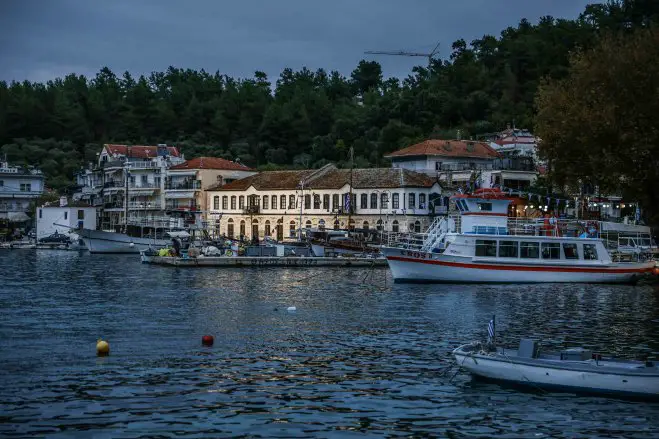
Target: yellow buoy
<point>102,348</point>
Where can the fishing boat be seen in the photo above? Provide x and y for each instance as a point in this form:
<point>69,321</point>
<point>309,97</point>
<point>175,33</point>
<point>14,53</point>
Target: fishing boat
<point>342,242</point>
<point>575,370</point>
<point>483,244</point>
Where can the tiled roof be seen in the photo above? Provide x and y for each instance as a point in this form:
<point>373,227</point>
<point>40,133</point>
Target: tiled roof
<point>448,148</point>
<point>332,178</point>
<point>139,151</point>
<point>211,163</point>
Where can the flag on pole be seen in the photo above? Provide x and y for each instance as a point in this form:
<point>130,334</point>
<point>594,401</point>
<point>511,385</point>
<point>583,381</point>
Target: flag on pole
<point>346,202</point>
<point>490,331</point>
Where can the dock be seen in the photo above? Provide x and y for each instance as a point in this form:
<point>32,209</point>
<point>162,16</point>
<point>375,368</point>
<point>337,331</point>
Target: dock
<point>269,261</point>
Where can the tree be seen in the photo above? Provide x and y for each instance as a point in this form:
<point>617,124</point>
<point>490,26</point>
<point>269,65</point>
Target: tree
<point>599,124</point>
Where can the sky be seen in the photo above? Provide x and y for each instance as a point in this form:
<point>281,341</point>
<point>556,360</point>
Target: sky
<point>44,39</point>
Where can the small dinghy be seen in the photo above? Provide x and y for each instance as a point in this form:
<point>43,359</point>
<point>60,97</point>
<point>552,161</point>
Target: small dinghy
<point>576,370</point>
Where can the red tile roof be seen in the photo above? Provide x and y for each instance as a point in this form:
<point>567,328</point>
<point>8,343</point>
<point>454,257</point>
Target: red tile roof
<point>211,163</point>
<point>139,151</point>
<point>448,148</point>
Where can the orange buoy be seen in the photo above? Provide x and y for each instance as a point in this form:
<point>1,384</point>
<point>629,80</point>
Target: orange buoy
<point>207,340</point>
<point>102,348</point>
<point>656,271</point>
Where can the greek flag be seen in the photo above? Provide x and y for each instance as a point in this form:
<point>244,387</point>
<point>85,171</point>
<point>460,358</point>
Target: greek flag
<point>346,202</point>
<point>490,331</point>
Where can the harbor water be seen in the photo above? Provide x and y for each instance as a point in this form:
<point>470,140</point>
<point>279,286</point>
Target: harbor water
<point>358,356</point>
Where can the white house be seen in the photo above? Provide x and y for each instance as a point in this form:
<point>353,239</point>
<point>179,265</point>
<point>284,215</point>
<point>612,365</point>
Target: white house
<point>278,203</point>
<point>466,163</point>
<point>63,217</point>
<point>19,187</point>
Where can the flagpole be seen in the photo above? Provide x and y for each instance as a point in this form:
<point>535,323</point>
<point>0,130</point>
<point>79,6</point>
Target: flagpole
<point>494,329</point>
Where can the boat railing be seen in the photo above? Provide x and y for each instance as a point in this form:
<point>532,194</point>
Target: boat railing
<point>407,240</point>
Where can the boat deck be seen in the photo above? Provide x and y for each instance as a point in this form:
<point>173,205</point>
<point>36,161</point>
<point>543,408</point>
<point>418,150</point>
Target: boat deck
<point>270,261</point>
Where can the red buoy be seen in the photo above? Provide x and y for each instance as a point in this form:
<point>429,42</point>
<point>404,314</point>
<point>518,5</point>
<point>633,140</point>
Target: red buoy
<point>207,340</point>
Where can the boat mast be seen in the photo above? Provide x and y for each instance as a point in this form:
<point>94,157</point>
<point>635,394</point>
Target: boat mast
<point>350,207</point>
<point>299,236</point>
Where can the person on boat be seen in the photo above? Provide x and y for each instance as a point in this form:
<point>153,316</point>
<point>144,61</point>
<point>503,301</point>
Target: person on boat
<point>176,245</point>
<point>553,224</point>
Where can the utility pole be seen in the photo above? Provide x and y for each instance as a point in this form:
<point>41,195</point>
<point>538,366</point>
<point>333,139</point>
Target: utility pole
<point>301,207</point>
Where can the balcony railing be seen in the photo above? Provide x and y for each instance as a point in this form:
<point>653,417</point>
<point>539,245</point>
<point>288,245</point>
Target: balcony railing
<point>113,205</point>
<point>251,210</point>
<point>149,205</point>
<point>191,185</point>
<point>182,206</point>
<point>499,165</point>
<point>142,185</point>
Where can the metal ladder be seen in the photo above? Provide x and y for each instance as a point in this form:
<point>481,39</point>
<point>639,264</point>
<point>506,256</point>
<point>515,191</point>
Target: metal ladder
<point>436,233</point>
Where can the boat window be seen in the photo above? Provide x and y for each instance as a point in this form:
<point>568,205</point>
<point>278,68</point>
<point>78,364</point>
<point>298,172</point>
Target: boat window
<point>485,207</point>
<point>570,251</point>
<point>590,252</point>
<point>394,201</point>
<point>233,202</point>
<point>394,225</point>
<point>551,250</point>
<point>81,214</point>
<point>225,202</point>
<point>66,215</point>
<point>364,201</point>
<point>374,201</point>
<point>486,248</point>
<point>508,249</point>
<point>529,250</point>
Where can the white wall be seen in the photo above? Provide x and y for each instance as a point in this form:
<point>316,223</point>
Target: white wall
<point>67,216</point>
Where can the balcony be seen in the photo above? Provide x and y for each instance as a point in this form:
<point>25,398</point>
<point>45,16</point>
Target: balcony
<point>144,205</point>
<point>497,165</point>
<point>252,210</point>
<point>181,206</point>
<point>183,186</point>
<point>113,205</point>
<point>143,185</point>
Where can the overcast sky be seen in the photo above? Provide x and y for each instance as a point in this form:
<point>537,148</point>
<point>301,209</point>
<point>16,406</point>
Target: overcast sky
<point>44,39</point>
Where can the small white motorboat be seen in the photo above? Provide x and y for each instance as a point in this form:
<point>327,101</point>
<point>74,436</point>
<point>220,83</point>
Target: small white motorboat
<point>575,370</point>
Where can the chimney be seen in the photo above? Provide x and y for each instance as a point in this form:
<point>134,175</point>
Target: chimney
<point>62,202</point>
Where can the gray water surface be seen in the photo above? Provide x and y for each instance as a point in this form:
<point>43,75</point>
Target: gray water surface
<point>360,356</point>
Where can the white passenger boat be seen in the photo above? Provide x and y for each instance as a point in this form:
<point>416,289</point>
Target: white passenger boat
<point>482,244</point>
<point>576,370</point>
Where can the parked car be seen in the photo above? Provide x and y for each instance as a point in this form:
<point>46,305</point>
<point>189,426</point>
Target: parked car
<point>56,238</point>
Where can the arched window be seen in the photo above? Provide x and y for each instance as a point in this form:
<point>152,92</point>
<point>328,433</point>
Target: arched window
<point>255,229</point>
<point>291,229</point>
<point>307,201</point>
<point>216,202</point>
<point>395,202</point>
<point>230,228</point>
<point>267,223</point>
<point>266,202</point>
<point>233,202</point>
<point>280,227</point>
<point>241,202</point>
<point>417,227</point>
<point>225,202</point>
<point>365,225</point>
<point>384,201</point>
<point>379,225</point>
<point>394,225</point>
<point>308,224</point>
<point>242,228</point>
<point>363,201</point>
<point>351,224</point>
<point>291,202</point>
<point>321,224</point>
<point>282,202</point>
<point>336,225</point>
<point>374,201</point>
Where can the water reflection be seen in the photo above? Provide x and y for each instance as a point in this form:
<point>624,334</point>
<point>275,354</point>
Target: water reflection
<point>356,355</point>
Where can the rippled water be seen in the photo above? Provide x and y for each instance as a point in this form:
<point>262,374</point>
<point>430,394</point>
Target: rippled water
<point>359,355</point>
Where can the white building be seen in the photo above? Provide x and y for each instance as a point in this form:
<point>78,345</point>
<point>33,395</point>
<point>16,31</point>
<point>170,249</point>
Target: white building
<point>19,187</point>
<point>466,163</point>
<point>515,142</point>
<point>63,217</point>
<point>277,203</point>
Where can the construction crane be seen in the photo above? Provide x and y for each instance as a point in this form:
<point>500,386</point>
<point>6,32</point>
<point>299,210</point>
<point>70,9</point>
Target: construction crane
<point>404,53</point>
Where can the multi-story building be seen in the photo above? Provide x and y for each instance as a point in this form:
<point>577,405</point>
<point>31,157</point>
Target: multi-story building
<point>280,203</point>
<point>186,182</point>
<point>466,163</point>
<point>19,187</point>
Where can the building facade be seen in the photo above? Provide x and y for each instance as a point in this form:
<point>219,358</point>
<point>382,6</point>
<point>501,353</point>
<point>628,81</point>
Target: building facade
<point>466,163</point>
<point>63,217</point>
<point>187,182</point>
<point>19,187</point>
<point>281,203</point>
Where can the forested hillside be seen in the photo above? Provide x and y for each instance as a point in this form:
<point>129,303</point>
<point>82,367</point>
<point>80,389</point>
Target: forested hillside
<point>303,118</point>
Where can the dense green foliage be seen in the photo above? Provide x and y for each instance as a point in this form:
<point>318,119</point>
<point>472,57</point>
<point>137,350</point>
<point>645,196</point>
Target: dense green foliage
<point>305,118</point>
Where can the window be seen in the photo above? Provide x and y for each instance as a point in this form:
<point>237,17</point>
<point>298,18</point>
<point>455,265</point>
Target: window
<point>307,201</point>
<point>394,201</point>
<point>394,225</point>
<point>570,251</point>
<point>266,204</point>
<point>241,202</point>
<point>374,201</point>
<point>267,222</point>
<point>529,250</point>
<point>145,180</point>
<point>365,225</point>
<point>411,200</point>
<point>242,228</point>
<point>316,201</point>
<point>282,202</point>
<point>485,207</point>
<point>225,202</point>
<point>274,202</point>
<point>336,225</point>
<point>216,202</point>
<point>417,227</point>
<point>66,215</point>
<point>590,252</point>
<point>422,201</point>
<point>2,183</point>
<point>321,224</point>
<point>335,202</point>
<point>81,214</point>
<point>364,201</point>
<point>291,202</point>
<point>25,187</point>
<point>551,250</point>
<point>291,230</point>
<point>508,249</point>
<point>379,225</point>
<point>308,224</point>
<point>384,201</point>
<point>438,166</point>
<point>40,213</point>
<point>233,202</point>
<point>326,202</point>
<point>156,181</point>
<point>486,248</point>
<point>230,228</point>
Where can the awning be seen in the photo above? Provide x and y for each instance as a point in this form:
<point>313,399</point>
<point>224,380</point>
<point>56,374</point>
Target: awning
<point>141,192</point>
<point>179,195</point>
<point>17,216</point>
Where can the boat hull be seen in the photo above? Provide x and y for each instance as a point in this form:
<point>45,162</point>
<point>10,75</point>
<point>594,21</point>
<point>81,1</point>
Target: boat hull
<point>621,384</point>
<point>413,266</point>
<point>98,241</point>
